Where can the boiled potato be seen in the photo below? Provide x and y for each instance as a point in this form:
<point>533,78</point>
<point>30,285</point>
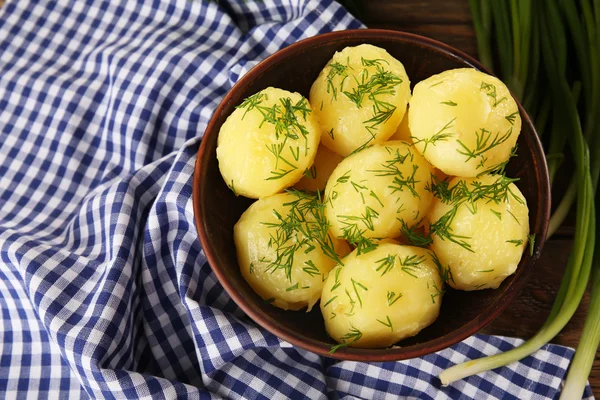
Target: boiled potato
<point>464,121</point>
<point>267,143</point>
<point>403,131</point>
<point>377,299</point>
<point>277,258</point>
<point>359,98</point>
<point>315,178</point>
<point>479,228</point>
<point>371,192</point>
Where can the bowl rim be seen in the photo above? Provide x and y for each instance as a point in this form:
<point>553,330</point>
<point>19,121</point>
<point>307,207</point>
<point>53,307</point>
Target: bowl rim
<point>394,353</point>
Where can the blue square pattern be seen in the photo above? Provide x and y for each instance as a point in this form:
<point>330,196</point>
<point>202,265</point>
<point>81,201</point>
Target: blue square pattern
<point>104,287</point>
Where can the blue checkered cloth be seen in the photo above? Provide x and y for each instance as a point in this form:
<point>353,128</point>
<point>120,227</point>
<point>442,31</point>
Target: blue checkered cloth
<point>104,288</point>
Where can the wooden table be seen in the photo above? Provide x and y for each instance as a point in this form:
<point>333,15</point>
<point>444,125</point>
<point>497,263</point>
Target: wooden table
<point>451,23</point>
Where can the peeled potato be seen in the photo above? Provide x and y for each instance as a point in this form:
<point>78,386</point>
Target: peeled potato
<point>359,98</point>
<point>379,298</point>
<point>481,241</point>
<point>464,121</point>
<point>267,143</point>
<point>403,131</point>
<point>278,260</point>
<point>315,178</point>
<point>370,193</point>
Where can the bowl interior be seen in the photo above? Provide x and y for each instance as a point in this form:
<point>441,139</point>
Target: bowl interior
<point>217,209</point>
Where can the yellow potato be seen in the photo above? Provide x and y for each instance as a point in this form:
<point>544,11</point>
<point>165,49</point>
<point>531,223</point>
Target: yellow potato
<point>277,258</point>
<point>359,98</point>
<point>403,131</point>
<point>377,299</point>
<point>267,143</point>
<point>464,121</point>
<point>315,178</point>
<point>370,193</point>
<point>480,228</point>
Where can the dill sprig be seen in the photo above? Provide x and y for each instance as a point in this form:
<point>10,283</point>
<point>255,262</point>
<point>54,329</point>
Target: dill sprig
<point>354,227</point>
<point>388,323</point>
<point>336,69</point>
<point>440,136</point>
<point>485,141</point>
<point>490,90</point>
<point>501,167</point>
<point>409,263</point>
<point>370,86</point>
<point>466,194</point>
<point>285,116</point>
<point>392,297</point>
<point>391,167</point>
<point>303,227</point>
<point>350,337</point>
<point>444,271</point>
<point>353,232</point>
<point>413,236</point>
<point>386,264</point>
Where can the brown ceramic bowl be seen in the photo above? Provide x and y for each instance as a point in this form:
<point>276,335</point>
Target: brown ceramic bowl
<point>217,209</point>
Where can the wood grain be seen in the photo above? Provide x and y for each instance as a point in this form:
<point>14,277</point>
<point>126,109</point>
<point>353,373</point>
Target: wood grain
<point>450,22</point>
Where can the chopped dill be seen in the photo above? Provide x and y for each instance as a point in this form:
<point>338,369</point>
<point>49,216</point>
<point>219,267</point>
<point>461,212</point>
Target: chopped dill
<point>413,236</point>
<point>285,117</point>
<point>312,269</point>
<point>329,301</point>
<point>350,337</point>
<point>388,324</point>
<point>445,272</point>
<point>531,239</point>
<point>303,227</point>
<point>511,117</point>
<point>483,143</point>
<point>335,69</point>
<point>311,173</point>
<point>440,136</point>
<point>449,103</point>
<point>497,214</point>
<point>391,167</point>
<point>392,297</point>
<point>490,90</point>
<point>356,285</point>
<point>337,282</point>
<point>386,264</point>
<point>372,83</point>
<point>232,188</point>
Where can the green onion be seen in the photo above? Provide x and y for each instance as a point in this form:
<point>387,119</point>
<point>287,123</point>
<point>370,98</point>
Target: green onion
<point>530,36</point>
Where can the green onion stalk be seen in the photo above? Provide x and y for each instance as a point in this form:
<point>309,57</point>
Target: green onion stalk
<point>529,36</point>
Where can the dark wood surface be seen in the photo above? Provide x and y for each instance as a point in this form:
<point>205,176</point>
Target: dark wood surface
<point>450,22</point>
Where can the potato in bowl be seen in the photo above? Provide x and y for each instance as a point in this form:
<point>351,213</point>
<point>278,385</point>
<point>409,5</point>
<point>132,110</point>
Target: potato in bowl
<point>217,208</point>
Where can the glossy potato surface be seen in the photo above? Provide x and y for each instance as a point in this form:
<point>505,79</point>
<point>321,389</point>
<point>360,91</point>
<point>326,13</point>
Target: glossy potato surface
<point>376,190</point>
<point>481,241</point>
<point>315,178</point>
<point>403,130</point>
<point>359,98</point>
<point>379,298</point>
<point>465,122</point>
<point>267,143</point>
<point>282,264</point>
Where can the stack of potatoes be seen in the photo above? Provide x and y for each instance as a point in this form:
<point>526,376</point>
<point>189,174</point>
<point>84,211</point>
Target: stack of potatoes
<point>372,199</point>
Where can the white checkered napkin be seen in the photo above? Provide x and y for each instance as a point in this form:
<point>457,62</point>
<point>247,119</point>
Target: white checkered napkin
<point>104,288</point>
